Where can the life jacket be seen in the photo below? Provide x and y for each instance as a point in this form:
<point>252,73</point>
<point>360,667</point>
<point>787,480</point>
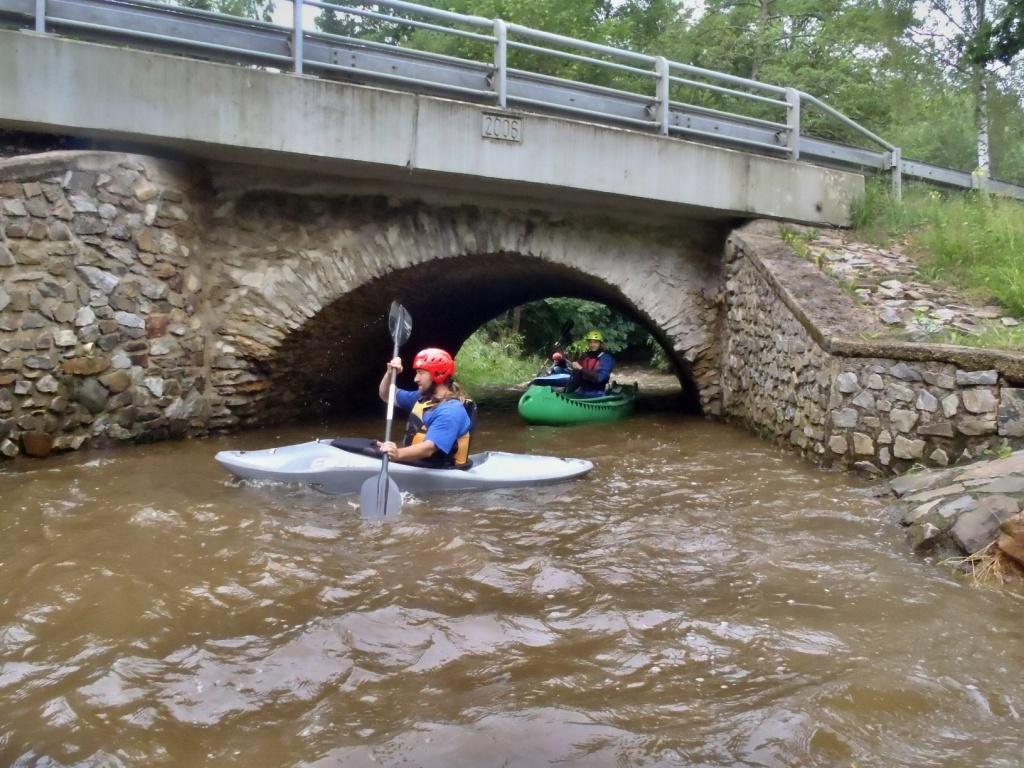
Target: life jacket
<point>416,432</point>
<point>591,362</point>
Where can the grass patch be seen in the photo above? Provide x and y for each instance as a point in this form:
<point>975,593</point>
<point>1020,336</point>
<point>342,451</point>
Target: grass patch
<point>488,362</point>
<point>969,239</point>
<point>991,337</point>
<point>799,240</point>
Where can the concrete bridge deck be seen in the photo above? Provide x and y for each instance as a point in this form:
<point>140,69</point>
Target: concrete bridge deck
<point>396,138</point>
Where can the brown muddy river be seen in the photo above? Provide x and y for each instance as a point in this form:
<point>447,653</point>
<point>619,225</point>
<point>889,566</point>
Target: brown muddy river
<point>703,599</point>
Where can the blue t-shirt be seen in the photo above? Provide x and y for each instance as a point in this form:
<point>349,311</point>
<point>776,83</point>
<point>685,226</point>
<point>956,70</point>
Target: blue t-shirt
<point>446,422</point>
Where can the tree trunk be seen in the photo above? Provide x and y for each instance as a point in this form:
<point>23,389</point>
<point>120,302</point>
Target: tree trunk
<point>980,87</point>
<point>760,38</point>
<point>517,319</point>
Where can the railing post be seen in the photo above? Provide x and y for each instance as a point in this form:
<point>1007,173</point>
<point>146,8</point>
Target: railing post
<point>896,172</point>
<point>297,37</point>
<point>661,67</point>
<point>40,15</point>
<point>499,82</point>
<point>793,123</point>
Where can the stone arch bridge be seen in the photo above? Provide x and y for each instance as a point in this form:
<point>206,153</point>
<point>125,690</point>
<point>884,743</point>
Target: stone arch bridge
<point>144,298</point>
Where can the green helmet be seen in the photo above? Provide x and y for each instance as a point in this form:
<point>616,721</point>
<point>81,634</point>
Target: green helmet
<point>594,336</point>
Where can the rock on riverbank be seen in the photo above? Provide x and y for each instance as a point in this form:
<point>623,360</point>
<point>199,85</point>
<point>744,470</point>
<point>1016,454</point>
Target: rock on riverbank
<point>963,510</point>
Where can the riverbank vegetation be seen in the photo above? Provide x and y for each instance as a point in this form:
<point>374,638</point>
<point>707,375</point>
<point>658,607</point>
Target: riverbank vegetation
<point>969,239</point>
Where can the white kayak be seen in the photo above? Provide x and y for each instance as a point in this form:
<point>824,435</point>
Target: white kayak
<point>333,470</point>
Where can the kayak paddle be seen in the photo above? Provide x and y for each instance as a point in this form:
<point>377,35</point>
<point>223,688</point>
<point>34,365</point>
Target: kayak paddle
<point>379,496</point>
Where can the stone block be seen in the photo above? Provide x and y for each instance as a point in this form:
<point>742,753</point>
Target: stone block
<point>116,381</point>
<point>99,279</point>
<point>865,400</point>
<point>904,372</point>
<point>903,420</point>
<point>899,393</point>
<point>972,425</point>
<point>13,207</point>
<point>977,378</point>
<point>837,444</point>
<point>937,428</point>
<point>979,527</point>
<point>950,405</point>
<point>92,395</point>
<point>847,417</point>
<point>874,381</point>
<point>904,448</point>
<point>86,366</point>
<point>862,444</point>
<point>1010,418</point>
<point>847,382</point>
<point>940,380</point>
<point>129,320</point>
<point>979,400</point>
<point>940,457</point>
<point>926,401</point>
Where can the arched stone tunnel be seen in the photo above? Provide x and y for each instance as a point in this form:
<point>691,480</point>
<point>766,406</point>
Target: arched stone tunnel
<point>301,283</point>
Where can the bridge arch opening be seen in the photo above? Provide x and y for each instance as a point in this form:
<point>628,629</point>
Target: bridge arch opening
<point>304,283</point>
<point>334,360</point>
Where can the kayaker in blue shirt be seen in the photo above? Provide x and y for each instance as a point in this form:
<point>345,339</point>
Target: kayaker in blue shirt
<point>440,415</point>
<point>591,373</point>
<point>559,365</point>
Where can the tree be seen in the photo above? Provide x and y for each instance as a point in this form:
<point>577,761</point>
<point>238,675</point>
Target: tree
<point>250,9</point>
<point>962,38</point>
<point>1008,32</point>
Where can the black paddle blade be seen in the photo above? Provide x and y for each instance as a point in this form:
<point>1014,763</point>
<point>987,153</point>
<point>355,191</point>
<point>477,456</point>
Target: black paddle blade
<point>379,497</point>
<point>399,323</point>
<point>564,337</point>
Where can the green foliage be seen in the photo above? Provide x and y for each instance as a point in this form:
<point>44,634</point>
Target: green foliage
<point>543,322</point>
<point>250,9</point>
<point>659,359</point>
<point>970,239</point>
<point>484,361</point>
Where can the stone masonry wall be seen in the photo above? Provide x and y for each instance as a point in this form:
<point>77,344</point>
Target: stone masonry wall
<point>793,368</point>
<point>139,301</point>
<point>101,338</point>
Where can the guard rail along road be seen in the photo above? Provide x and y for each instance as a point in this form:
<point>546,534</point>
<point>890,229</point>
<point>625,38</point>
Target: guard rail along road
<point>640,91</point>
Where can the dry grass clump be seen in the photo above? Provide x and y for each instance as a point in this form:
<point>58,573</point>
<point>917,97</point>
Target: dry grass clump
<point>989,568</point>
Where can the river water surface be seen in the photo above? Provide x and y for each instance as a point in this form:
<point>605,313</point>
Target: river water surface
<point>702,599</point>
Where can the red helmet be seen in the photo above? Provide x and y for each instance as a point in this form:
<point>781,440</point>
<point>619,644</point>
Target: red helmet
<point>439,363</point>
<point>558,357</point>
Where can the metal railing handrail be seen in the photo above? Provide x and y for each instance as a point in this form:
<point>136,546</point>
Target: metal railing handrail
<point>493,79</point>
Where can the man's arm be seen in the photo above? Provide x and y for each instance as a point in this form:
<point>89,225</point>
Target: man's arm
<point>418,452</point>
<point>385,382</point>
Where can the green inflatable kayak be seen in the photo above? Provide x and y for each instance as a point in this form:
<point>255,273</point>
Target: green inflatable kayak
<point>543,405</point>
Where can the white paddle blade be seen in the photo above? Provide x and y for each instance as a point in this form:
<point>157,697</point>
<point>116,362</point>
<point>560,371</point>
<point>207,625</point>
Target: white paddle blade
<point>379,497</point>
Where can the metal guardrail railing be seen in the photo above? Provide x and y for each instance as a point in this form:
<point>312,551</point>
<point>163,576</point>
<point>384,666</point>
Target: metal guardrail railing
<point>638,90</point>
